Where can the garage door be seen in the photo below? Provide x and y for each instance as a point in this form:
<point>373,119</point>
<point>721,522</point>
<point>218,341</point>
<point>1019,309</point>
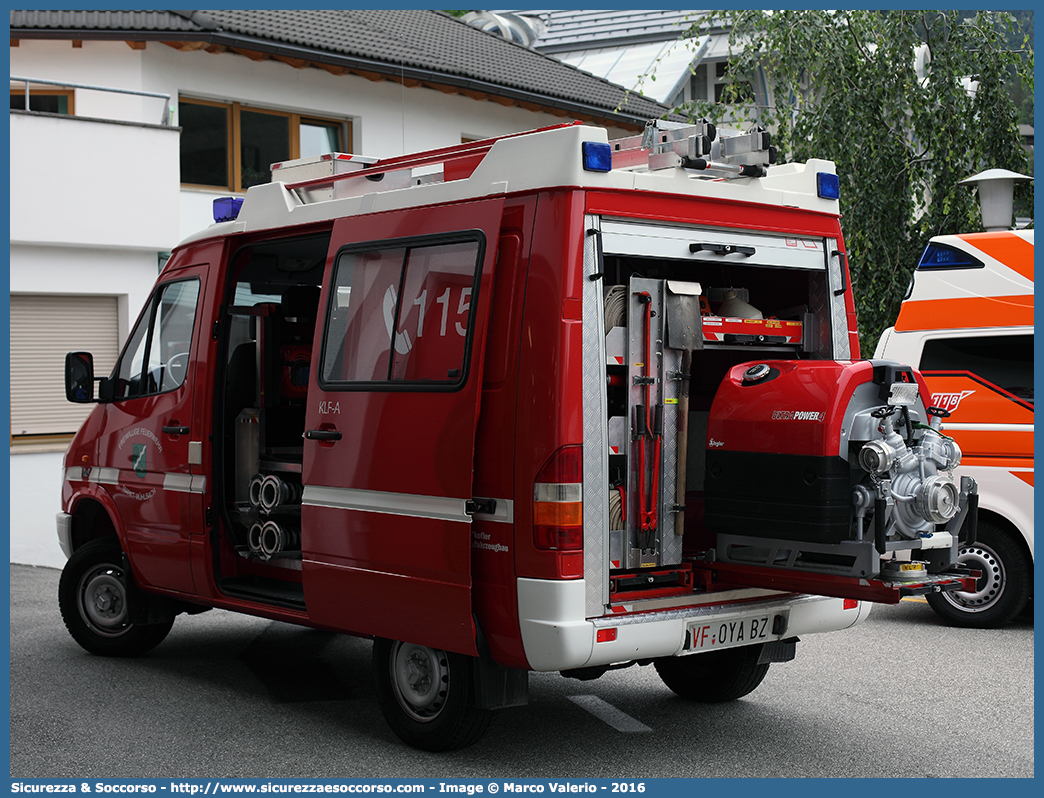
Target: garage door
<point>43,328</point>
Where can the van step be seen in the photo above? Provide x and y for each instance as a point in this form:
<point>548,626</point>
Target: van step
<point>269,591</point>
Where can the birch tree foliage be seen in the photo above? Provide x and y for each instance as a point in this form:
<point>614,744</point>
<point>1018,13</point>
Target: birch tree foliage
<point>907,103</point>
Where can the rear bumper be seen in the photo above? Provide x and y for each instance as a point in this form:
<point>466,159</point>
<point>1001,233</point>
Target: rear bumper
<point>556,636</point>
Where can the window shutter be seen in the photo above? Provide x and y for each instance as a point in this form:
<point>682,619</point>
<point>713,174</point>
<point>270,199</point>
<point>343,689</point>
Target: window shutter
<point>44,327</point>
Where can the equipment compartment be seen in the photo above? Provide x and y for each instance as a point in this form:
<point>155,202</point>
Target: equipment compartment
<point>702,488</point>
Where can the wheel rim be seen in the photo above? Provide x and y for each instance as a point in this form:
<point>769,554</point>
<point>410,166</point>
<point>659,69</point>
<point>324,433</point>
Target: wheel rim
<point>102,601</point>
<point>988,588</point>
<point>420,678</point>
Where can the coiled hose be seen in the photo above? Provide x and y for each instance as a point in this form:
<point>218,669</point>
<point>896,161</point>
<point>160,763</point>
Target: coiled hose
<point>615,306</point>
<point>616,509</point>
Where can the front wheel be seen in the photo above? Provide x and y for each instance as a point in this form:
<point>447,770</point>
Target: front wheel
<point>423,693</point>
<point>1002,590</point>
<point>94,596</point>
<point>716,676</point>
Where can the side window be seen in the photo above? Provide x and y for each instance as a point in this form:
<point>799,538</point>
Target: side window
<point>401,315</point>
<point>156,357</point>
<point>1004,360</point>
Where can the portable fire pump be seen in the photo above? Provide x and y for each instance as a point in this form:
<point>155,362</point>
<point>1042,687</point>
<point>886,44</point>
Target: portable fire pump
<point>853,471</point>
<point>538,403</point>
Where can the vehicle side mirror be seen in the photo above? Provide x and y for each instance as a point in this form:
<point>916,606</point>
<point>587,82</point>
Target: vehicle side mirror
<point>79,377</point>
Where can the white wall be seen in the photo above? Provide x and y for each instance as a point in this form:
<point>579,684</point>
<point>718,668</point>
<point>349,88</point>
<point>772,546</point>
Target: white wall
<point>108,64</point>
<point>100,184</point>
<point>389,119</point>
<point>36,492</point>
<point>124,273</point>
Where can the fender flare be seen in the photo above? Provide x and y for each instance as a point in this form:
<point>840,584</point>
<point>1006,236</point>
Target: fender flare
<point>93,493</point>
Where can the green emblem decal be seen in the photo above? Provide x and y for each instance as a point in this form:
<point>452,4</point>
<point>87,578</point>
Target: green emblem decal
<point>138,459</point>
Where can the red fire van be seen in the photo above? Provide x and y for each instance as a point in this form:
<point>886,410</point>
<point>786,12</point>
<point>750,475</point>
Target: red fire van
<point>539,403</point>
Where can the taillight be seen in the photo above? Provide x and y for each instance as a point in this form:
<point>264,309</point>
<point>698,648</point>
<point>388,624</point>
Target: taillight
<point>558,508</point>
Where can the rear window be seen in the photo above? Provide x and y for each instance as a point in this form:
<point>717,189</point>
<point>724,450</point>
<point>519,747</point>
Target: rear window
<point>1003,360</point>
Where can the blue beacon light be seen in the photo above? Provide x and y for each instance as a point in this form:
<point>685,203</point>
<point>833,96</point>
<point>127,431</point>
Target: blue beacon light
<point>598,156</point>
<point>226,209</point>
<point>828,186</point>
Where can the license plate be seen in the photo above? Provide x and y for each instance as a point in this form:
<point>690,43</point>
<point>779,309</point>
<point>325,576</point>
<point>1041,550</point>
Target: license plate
<point>742,630</point>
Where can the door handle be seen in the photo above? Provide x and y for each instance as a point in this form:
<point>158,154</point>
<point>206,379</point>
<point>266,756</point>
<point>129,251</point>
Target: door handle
<point>176,430</point>
<point>323,435</point>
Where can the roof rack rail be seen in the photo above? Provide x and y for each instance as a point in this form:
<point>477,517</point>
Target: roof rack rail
<point>697,147</point>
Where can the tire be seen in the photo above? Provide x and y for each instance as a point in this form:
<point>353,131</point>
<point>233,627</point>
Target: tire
<point>714,677</point>
<point>424,696</point>
<point>1001,592</point>
<point>95,594</point>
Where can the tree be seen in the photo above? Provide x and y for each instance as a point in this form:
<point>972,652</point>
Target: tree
<point>907,103</point>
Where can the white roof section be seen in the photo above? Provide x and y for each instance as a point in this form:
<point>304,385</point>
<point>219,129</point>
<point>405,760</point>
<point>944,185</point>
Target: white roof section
<point>527,162</point>
<point>576,29</point>
<point>655,69</point>
<point>639,50</point>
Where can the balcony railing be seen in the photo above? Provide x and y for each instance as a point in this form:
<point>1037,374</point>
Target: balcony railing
<point>164,119</point>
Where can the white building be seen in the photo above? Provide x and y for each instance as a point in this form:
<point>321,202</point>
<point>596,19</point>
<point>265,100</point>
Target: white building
<point>137,120</point>
<point>670,55</point>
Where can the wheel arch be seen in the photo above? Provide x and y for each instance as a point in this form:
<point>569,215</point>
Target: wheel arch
<point>93,518</point>
<point>1006,525</point>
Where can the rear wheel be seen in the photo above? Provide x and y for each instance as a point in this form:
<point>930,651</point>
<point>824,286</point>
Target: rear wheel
<point>715,676</point>
<point>423,693</point>
<point>95,594</point>
<point>1000,593</point>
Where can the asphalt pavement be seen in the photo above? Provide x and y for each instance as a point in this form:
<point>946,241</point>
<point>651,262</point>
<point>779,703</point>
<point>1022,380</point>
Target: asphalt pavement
<point>227,696</point>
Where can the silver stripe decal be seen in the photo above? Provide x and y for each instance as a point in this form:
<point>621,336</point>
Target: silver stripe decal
<point>179,483</point>
<point>184,483</point>
<point>375,501</point>
<point>105,476</point>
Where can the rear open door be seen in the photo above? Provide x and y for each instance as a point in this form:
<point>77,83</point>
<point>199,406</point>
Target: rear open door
<point>390,427</point>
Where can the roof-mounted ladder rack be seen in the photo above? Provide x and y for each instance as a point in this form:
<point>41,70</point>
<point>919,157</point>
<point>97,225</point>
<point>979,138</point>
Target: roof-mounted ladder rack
<point>456,162</point>
<point>668,145</point>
